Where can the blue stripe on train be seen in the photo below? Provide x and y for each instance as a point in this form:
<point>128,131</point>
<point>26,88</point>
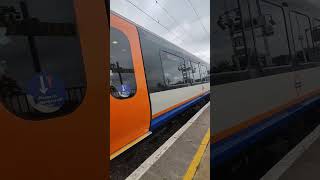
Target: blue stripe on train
<point>229,147</point>
<point>162,119</point>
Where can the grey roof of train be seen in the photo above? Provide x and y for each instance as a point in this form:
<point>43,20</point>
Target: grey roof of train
<point>180,48</point>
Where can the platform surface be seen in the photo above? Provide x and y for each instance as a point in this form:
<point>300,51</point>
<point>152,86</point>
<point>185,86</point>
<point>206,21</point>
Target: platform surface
<point>307,166</point>
<point>174,163</point>
<point>203,171</point>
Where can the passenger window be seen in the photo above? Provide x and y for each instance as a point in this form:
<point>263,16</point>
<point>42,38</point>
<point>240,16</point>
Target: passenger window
<point>174,69</point>
<point>42,73</point>
<point>189,72</point>
<point>248,11</point>
<point>229,48</point>
<point>316,22</point>
<point>122,78</point>
<point>196,72</point>
<point>274,47</point>
<point>208,73</point>
<point>316,35</point>
<point>301,36</point>
<point>150,48</point>
<point>204,74</point>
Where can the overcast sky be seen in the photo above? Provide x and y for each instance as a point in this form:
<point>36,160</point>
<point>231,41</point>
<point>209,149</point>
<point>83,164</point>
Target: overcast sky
<point>185,23</point>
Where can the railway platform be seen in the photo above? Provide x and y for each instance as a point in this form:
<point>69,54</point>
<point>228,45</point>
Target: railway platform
<point>302,162</point>
<point>186,155</point>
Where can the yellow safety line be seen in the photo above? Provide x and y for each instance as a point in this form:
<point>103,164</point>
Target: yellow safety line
<point>197,157</point>
<point>129,145</point>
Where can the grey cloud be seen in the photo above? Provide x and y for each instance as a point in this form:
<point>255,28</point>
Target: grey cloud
<point>185,29</point>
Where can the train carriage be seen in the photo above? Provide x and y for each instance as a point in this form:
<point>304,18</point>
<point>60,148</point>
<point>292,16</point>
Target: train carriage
<point>151,81</point>
<point>265,68</point>
<point>54,105</point>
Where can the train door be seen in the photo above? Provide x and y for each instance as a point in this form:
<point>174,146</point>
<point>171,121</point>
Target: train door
<point>52,89</point>
<point>129,100</point>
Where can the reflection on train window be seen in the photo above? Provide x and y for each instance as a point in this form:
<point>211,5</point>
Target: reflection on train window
<point>41,67</point>
<point>229,48</point>
<point>196,72</point>
<point>150,48</point>
<point>302,38</point>
<point>269,36</point>
<point>174,69</point>
<point>190,77</point>
<point>273,49</point>
<point>316,22</point>
<point>204,75</point>
<point>122,78</point>
<point>316,39</point>
<point>248,11</point>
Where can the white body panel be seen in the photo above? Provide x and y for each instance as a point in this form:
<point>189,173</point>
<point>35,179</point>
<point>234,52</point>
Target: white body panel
<point>165,99</point>
<point>310,80</point>
<point>234,103</point>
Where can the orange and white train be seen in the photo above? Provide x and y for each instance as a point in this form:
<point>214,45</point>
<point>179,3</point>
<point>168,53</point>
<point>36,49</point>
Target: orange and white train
<point>265,70</point>
<point>151,81</point>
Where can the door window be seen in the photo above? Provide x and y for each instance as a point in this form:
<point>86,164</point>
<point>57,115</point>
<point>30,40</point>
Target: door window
<point>42,72</point>
<point>122,78</point>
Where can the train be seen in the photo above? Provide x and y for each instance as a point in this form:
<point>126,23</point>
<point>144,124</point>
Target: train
<point>265,66</point>
<point>53,83</point>
<point>151,81</point>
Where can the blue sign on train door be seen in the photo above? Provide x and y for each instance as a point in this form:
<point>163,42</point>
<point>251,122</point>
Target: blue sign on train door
<point>46,93</point>
<point>124,90</point>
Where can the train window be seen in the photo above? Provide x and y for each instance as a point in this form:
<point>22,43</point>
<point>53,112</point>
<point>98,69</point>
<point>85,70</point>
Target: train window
<point>316,35</point>
<point>273,49</point>
<point>174,69</point>
<point>301,30</point>
<point>247,11</point>
<point>150,48</point>
<point>229,48</point>
<point>208,73</point>
<point>196,72</point>
<point>315,22</point>
<point>204,73</point>
<point>42,72</point>
<point>189,72</point>
<point>122,78</point>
